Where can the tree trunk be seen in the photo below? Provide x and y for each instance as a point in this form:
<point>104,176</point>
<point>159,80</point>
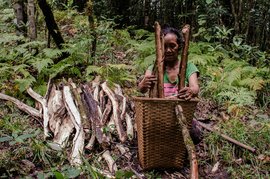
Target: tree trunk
<point>146,12</point>
<point>20,17</point>
<point>52,27</point>
<point>237,12</point>
<point>92,26</point>
<point>31,18</point>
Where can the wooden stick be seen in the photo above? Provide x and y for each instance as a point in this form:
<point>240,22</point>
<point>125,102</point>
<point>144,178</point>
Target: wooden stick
<point>188,142</point>
<point>158,65</point>
<point>160,62</point>
<point>184,57</point>
<point>253,150</point>
<point>28,109</point>
<point>44,105</point>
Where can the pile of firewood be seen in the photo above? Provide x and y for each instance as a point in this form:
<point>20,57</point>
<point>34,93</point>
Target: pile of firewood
<point>94,113</point>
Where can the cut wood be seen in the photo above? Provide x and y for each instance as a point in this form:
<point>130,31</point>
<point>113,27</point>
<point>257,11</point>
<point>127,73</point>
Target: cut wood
<point>158,69</point>
<point>22,106</point>
<point>184,57</point>
<point>188,142</point>
<point>111,164</point>
<point>130,131</point>
<point>78,141</point>
<point>116,116</point>
<point>77,96</point>
<point>44,104</point>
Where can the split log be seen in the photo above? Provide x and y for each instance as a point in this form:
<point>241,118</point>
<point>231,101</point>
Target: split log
<point>184,57</point>
<point>123,103</point>
<point>22,106</point>
<point>188,142</point>
<point>44,104</point>
<point>111,164</point>
<point>94,116</point>
<point>130,131</point>
<point>116,117</point>
<point>78,141</point>
<point>77,96</point>
<point>106,113</point>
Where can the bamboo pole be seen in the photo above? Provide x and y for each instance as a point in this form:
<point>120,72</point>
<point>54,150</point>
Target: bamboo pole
<point>184,56</point>
<point>157,89</point>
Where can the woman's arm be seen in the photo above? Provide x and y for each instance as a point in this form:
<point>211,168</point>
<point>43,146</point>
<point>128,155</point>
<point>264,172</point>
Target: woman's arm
<point>192,90</point>
<point>147,81</point>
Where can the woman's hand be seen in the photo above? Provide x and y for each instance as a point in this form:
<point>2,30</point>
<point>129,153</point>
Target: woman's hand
<point>186,93</point>
<point>147,82</point>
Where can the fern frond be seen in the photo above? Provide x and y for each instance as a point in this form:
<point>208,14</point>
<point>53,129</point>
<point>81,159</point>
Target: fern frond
<point>233,75</point>
<point>39,63</point>
<point>255,84</point>
<point>52,53</point>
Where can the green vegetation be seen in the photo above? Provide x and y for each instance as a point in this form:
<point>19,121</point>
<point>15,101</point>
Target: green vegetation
<point>233,73</point>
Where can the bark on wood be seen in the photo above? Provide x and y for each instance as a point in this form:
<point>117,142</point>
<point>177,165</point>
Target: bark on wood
<point>31,11</point>
<point>116,117</point>
<point>159,65</point>
<point>184,57</point>
<point>77,96</point>
<point>123,102</point>
<point>106,113</point>
<point>188,142</point>
<point>95,116</point>
<point>78,141</point>
<point>253,150</point>
<point>111,164</point>
<point>44,104</point>
<point>28,109</point>
<point>56,110</point>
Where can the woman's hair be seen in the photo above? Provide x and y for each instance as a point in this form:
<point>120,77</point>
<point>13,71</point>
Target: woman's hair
<point>166,29</point>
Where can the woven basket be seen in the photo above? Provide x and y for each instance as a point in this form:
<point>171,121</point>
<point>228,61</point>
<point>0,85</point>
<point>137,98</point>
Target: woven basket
<point>160,140</point>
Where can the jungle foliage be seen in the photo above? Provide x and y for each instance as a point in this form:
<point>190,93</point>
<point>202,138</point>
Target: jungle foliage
<point>229,44</point>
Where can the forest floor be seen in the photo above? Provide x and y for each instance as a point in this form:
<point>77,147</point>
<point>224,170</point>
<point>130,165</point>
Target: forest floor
<point>31,157</point>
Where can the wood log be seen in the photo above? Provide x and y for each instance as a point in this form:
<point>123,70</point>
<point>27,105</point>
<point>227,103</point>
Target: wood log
<point>157,90</point>
<point>78,141</point>
<point>22,106</point>
<point>94,116</point>
<point>77,97</point>
<point>116,116</point>
<point>184,57</point>
<point>188,142</point>
<point>106,113</point>
<point>44,104</point>
<point>123,102</point>
<point>111,164</point>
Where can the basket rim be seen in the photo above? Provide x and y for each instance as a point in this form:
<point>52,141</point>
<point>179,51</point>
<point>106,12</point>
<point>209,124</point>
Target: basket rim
<point>137,98</point>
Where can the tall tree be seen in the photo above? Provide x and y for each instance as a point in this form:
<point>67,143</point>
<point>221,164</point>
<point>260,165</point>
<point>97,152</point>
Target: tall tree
<point>52,27</point>
<point>21,17</point>
<point>31,11</point>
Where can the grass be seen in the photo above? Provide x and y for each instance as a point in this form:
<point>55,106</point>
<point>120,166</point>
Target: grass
<point>239,162</point>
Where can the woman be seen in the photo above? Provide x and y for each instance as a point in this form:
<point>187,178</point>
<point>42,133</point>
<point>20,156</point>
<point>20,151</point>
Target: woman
<point>173,41</point>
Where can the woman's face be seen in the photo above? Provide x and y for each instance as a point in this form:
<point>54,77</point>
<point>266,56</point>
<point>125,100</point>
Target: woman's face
<point>170,47</point>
